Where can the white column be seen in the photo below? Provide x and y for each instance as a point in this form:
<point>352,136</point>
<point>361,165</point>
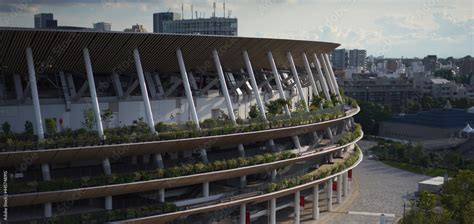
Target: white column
<point>161,195</point>
<point>146,100</point>
<point>327,74</point>
<point>297,207</point>
<point>273,175</point>
<point>205,189</point>
<point>187,87</point>
<point>316,202</point>
<point>158,159</point>
<point>333,77</point>
<point>339,189</point>
<point>345,184</point>
<point>48,210</point>
<point>276,75</point>
<point>256,93</point>
<point>322,80</point>
<point>46,172</point>
<point>34,94</point>
<point>297,80</point>
<point>310,74</point>
<point>108,203</point>
<point>106,167</point>
<point>273,211</point>
<point>329,194</point>
<point>243,213</point>
<point>95,102</point>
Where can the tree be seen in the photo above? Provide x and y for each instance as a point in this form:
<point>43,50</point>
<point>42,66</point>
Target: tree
<point>316,102</point>
<point>275,107</point>
<point>50,125</point>
<point>29,128</point>
<point>254,111</point>
<point>89,119</point>
<point>413,107</point>
<point>371,114</point>
<point>6,128</point>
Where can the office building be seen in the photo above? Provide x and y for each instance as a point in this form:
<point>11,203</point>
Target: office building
<point>137,28</point>
<point>357,58</point>
<point>169,23</point>
<point>160,18</point>
<point>340,58</point>
<point>45,21</point>
<point>136,130</point>
<point>102,26</point>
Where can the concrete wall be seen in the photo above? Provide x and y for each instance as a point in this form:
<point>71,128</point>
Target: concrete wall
<point>415,132</point>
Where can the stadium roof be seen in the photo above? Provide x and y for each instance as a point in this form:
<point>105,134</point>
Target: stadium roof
<point>61,50</point>
<point>441,118</point>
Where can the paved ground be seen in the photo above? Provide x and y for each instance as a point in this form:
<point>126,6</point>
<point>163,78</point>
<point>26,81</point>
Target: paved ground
<point>377,188</point>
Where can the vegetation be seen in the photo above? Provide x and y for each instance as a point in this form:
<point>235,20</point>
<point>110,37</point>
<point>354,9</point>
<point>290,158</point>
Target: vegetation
<point>351,136</point>
<point>176,171</point>
<point>50,124</point>
<point>254,112</point>
<point>455,204</point>
<point>114,215</point>
<point>138,132</point>
<point>414,159</point>
<point>370,115</point>
<point>29,128</point>
<point>293,182</point>
<point>276,107</point>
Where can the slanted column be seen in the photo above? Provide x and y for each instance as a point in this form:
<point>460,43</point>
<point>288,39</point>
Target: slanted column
<point>276,74</point>
<point>316,202</point>
<point>322,81</point>
<point>297,80</point>
<point>146,100</point>
<point>272,211</point>
<point>161,195</point>
<point>230,108</point>
<point>297,207</point>
<point>158,160</point>
<point>95,101</point>
<point>243,214</point>
<point>106,167</point>
<point>339,189</point>
<point>333,77</point>
<point>108,203</point>
<point>310,74</point>
<point>329,194</point>
<point>327,74</point>
<point>192,106</point>
<point>48,210</point>
<point>256,93</point>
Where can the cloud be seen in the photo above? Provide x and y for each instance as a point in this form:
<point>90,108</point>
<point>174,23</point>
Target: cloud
<point>18,8</point>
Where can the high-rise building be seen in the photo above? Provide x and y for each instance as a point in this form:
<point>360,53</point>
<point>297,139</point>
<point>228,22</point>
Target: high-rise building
<point>430,62</point>
<point>136,29</point>
<point>45,20</point>
<point>340,58</point>
<point>161,17</point>
<point>357,58</point>
<point>102,26</point>
<point>169,22</point>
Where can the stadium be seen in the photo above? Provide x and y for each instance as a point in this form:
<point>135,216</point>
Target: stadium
<point>165,128</point>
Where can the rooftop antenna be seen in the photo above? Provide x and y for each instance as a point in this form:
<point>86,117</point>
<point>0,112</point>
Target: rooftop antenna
<point>214,12</point>
<point>197,17</point>
<point>224,9</point>
<point>229,13</point>
<point>192,12</point>
<point>182,11</point>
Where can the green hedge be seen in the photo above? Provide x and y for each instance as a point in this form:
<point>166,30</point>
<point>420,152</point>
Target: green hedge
<point>176,171</point>
<point>296,181</point>
<point>349,137</point>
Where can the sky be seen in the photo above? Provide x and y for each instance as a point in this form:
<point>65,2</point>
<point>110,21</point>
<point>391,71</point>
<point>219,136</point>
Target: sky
<point>393,28</point>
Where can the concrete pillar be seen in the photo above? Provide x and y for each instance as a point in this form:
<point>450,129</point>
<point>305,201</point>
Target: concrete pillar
<point>158,159</point>
<point>108,203</point>
<point>329,194</point>
<point>330,135</point>
<point>345,184</point>
<point>187,87</point>
<point>243,181</point>
<point>146,100</point>
<point>310,74</point>
<point>316,202</point>
<point>161,195</point>
<point>46,172</point>
<point>333,77</point>
<point>272,211</point>
<point>243,214</point>
<point>106,167</point>
<point>48,210</point>
<point>203,153</point>
<point>34,94</point>
<point>322,80</point>
<point>95,101</point>
<point>327,74</point>
<point>297,80</point>
<point>276,75</point>
<point>205,189</point>
<point>339,189</point>
<point>273,175</point>
<point>241,149</point>
<point>297,207</point>
<point>256,93</point>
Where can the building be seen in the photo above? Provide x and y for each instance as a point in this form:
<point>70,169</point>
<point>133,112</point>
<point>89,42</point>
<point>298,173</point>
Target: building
<point>152,128</point>
<point>136,29</point>
<point>385,91</point>
<point>102,26</point>
<point>168,22</point>
<point>357,58</point>
<point>45,21</point>
<point>162,17</point>
<point>431,63</point>
<point>427,125</point>
<point>340,58</point>
<point>440,88</point>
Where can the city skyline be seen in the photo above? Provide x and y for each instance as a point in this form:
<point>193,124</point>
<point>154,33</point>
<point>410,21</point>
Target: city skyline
<point>413,29</point>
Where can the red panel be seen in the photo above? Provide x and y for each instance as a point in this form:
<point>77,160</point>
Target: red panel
<point>334,186</point>
<point>247,217</point>
<point>302,201</point>
<point>349,174</point>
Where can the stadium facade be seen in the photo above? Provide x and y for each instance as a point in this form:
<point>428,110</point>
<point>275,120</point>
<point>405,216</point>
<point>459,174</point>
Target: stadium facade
<point>155,128</point>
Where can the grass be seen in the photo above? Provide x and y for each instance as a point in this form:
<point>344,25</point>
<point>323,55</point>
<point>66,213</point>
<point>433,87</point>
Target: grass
<point>417,169</point>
